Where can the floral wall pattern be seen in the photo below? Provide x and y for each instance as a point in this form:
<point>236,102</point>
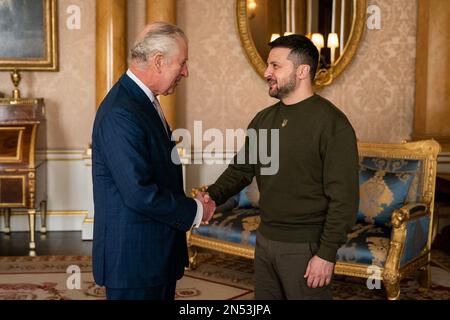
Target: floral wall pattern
<point>376,91</point>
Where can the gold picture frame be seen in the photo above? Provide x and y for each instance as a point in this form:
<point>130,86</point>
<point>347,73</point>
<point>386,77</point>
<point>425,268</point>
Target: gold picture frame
<point>28,33</point>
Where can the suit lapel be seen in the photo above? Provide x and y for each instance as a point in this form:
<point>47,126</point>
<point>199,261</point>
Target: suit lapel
<point>150,109</point>
<point>144,100</point>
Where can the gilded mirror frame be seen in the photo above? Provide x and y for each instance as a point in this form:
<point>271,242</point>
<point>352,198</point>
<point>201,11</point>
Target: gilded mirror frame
<point>324,76</point>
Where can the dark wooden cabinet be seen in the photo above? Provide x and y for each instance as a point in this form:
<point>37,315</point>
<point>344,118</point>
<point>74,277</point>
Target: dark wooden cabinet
<point>23,161</point>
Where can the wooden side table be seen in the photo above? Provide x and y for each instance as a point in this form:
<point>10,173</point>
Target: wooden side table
<point>23,161</point>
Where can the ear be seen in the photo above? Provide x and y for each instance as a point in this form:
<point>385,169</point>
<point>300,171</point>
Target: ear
<point>303,71</point>
<point>158,60</point>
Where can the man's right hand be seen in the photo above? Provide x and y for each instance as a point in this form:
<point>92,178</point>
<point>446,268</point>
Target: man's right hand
<point>209,206</point>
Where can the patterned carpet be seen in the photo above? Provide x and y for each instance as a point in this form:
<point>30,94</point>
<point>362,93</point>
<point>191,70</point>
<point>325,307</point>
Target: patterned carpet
<point>218,277</point>
<point>239,270</point>
<point>51,278</point>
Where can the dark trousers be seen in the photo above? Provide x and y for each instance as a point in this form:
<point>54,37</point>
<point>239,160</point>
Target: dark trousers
<point>162,292</point>
<point>280,268</point>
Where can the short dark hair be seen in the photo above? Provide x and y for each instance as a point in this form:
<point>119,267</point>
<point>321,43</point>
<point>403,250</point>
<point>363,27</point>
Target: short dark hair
<point>303,51</point>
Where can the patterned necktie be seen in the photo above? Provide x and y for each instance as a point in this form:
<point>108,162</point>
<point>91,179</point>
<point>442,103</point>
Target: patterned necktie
<point>161,115</point>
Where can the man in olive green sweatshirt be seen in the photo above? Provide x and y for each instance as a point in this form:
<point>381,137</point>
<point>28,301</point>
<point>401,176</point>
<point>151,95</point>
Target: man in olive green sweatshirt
<point>309,205</point>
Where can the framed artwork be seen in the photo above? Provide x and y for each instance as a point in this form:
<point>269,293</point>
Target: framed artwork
<point>28,35</point>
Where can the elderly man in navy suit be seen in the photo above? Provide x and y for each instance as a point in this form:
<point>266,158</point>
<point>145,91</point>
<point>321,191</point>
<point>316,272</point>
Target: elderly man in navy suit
<point>141,211</point>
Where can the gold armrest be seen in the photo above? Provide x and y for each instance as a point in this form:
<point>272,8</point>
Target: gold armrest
<point>408,212</point>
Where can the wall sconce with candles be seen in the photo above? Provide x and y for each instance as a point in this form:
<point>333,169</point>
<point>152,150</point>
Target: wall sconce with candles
<point>251,6</point>
<point>274,36</point>
<point>333,43</point>
<point>317,39</point>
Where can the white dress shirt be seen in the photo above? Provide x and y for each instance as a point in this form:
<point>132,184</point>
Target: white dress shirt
<point>153,99</point>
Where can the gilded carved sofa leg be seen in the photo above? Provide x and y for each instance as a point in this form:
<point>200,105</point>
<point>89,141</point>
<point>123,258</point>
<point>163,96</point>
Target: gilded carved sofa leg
<point>425,276</point>
<point>392,283</point>
<point>192,251</point>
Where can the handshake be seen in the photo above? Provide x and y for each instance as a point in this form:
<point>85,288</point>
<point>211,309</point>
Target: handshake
<point>209,206</point>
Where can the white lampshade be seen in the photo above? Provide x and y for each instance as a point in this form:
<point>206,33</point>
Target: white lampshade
<point>274,36</point>
<point>251,5</point>
<point>333,41</point>
<point>287,33</point>
<point>317,39</point>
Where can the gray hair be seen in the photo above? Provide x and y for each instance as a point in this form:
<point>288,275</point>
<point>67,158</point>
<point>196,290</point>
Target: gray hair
<point>161,37</point>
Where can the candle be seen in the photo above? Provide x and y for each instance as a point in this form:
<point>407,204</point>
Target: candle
<point>332,43</point>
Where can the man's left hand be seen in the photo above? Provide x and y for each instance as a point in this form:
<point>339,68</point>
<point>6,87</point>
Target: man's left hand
<point>318,272</point>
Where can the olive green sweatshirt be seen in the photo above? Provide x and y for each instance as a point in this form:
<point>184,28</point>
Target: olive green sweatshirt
<point>313,196</point>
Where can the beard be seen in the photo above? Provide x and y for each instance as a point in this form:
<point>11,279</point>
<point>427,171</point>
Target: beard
<point>284,90</point>
<point>172,87</point>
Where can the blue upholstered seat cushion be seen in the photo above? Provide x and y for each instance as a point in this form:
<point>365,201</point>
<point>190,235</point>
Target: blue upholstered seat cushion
<point>366,244</point>
<point>381,192</point>
<point>238,225</point>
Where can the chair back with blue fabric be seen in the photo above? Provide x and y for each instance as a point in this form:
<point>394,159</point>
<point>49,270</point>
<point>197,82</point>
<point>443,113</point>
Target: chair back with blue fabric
<point>394,227</point>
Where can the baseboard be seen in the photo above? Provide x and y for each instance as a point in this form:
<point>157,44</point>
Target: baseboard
<point>56,221</point>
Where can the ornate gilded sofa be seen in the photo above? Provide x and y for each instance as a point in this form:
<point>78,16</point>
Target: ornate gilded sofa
<point>394,229</point>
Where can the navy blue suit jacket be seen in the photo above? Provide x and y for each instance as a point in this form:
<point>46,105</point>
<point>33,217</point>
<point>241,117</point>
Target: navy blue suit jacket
<point>141,211</point>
